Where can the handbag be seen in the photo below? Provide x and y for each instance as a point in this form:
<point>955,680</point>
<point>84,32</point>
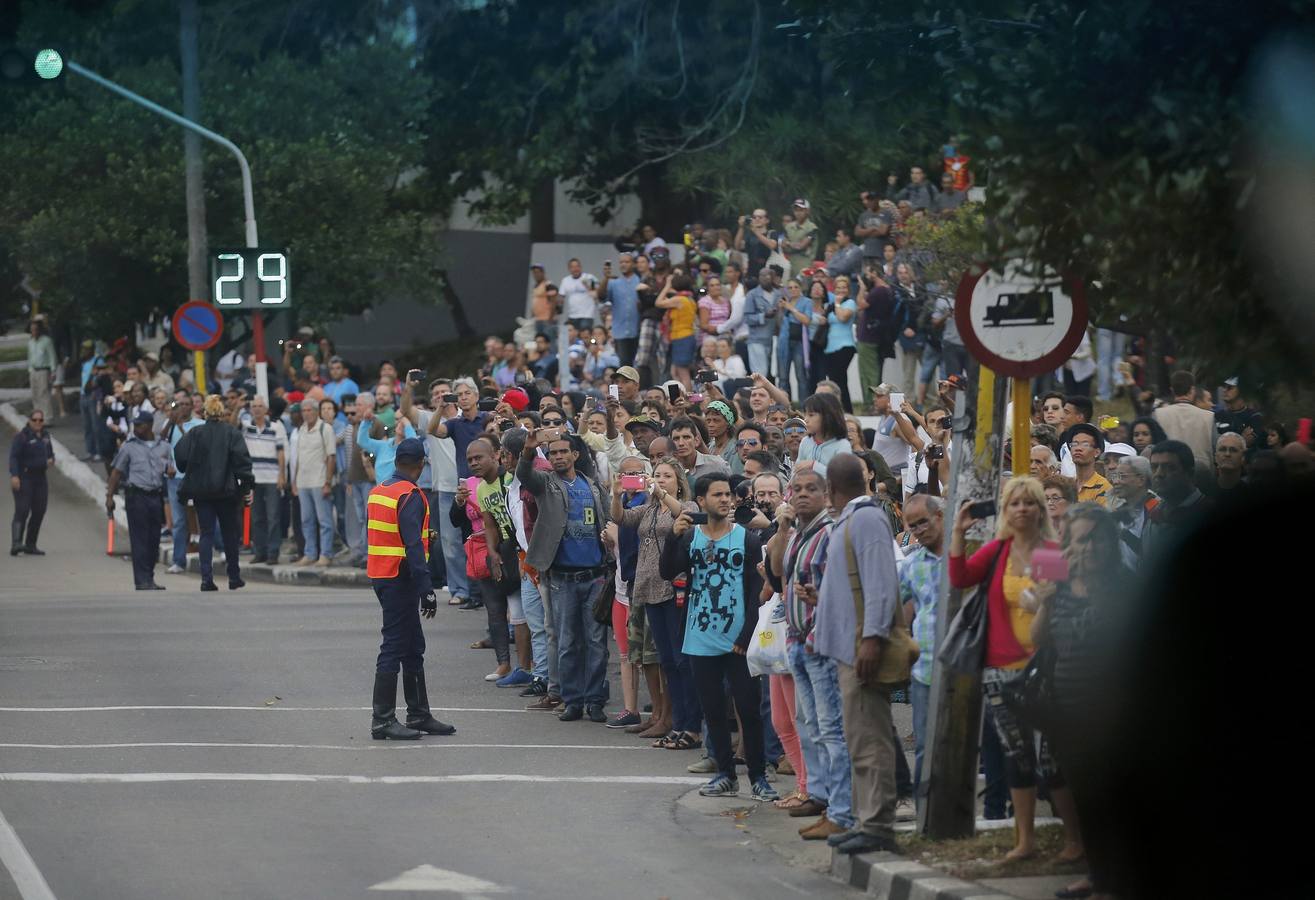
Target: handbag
<point>1031,695</point>
<point>477,557</point>
<point>767,653</point>
<point>964,647</point>
<point>603,605</point>
<point>901,651</point>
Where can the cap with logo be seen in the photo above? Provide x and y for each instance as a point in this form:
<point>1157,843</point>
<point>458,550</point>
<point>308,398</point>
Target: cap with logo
<point>628,373</point>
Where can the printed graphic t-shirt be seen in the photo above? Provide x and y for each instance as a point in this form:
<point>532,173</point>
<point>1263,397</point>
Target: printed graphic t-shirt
<point>579,548</point>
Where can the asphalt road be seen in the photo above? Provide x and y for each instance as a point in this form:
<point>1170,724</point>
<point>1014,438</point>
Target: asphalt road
<point>178,744</point>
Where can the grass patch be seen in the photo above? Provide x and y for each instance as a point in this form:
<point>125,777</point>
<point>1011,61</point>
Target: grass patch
<point>982,855</point>
<point>13,352</point>
<point>13,378</point>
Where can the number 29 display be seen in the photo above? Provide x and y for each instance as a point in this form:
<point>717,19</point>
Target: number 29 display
<point>250,278</point>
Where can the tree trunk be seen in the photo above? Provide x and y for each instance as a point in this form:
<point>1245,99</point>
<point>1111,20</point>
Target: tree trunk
<point>198,279</point>
<point>459,319</point>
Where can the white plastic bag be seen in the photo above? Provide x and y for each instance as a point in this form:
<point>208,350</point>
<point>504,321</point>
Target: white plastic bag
<point>767,654</point>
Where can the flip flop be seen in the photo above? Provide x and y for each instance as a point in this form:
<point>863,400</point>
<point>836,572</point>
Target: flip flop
<point>482,644</point>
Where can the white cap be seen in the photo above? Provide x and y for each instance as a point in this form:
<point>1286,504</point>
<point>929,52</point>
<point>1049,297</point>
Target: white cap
<point>1120,450</point>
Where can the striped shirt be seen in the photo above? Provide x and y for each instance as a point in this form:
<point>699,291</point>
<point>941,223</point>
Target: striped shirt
<point>263,444</point>
<point>803,554</point>
<point>920,576</point>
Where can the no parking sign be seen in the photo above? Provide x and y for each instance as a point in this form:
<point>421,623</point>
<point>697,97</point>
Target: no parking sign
<point>197,325</point>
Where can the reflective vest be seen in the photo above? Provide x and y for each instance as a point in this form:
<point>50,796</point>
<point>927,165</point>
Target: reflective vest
<point>385,550</point>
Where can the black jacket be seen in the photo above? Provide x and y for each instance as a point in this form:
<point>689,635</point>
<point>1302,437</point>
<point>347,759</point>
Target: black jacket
<point>214,461</point>
<point>29,452</point>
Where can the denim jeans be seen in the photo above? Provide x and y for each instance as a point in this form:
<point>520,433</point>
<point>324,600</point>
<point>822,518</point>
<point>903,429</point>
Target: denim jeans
<point>358,493</point>
<point>954,359</point>
<point>1109,351</point>
<point>581,641</point>
<point>454,552</point>
<point>668,623</point>
<point>179,508</point>
<point>822,733</point>
<point>266,538</point>
<point>772,748</point>
<point>760,355</point>
<point>87,407</point>
<point>931,360</point>
<point>316,521</point>
<point>919,699</point>
<point>532,604</point>
<point>788,355</point>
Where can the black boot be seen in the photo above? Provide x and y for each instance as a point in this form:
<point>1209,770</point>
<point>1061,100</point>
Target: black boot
<point>17,546</point>
<point>417,706</point>
<point>384,725</point>
<point>30,544</point>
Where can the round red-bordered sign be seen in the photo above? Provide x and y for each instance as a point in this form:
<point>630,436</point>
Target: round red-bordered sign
<point>197,325</point>
<point>1016,325</point>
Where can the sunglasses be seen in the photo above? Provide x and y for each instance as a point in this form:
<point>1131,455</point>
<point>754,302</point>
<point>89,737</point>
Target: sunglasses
<point>795,430</point>
<point>552,423</point>
<point>751,442</point>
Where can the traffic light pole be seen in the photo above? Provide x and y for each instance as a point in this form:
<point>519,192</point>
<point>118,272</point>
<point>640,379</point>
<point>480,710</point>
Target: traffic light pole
<point>248,199</point>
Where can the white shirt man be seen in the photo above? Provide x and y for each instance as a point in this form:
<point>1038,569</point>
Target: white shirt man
<point>577,290</point>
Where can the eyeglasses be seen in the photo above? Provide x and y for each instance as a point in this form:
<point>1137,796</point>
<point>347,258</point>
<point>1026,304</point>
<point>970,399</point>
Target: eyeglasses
<point>1081,445</point>
<point>36,419</point>
<point>749,442</point>
<point>1051,501</point>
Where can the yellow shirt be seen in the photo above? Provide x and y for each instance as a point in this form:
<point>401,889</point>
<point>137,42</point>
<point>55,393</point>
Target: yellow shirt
<point>683,317</point>
<point>1096,490</point>
<point>1019,619</point>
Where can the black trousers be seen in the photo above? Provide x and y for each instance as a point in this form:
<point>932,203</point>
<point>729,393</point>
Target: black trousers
<point>626,349</point>
<point>709,674</point>
<point>30,506</point>
<point>837,369</point>
<point>145,519</point>
<point>221,513</point>
<point>403,643</point>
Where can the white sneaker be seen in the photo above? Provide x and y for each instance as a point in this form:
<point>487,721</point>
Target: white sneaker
<point>175,570</point>
<point>492,676</point>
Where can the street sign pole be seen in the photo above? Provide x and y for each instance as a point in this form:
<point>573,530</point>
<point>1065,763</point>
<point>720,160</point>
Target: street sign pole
<point>198,369</point>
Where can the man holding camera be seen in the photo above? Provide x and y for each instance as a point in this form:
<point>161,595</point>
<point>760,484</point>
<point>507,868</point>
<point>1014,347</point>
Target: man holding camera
<point>758,243</point>
<point>462,428</point>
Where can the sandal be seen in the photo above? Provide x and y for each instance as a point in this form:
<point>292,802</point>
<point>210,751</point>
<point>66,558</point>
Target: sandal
<point>667,742</point>
<point>482,644</point>
<point>793,800</point>
<point>687,741</point>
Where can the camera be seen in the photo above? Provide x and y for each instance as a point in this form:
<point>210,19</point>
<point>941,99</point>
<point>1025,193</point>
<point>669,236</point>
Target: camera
<point>698,518</point>
<point>705,376</point>
<point>944,422</point>
<point>417,375</point>
<point>488,404</point>
<point>449,398</point>
<point>982,510</point>
<point>935,451</point>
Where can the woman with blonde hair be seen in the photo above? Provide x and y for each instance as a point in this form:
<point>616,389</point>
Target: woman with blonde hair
<point>217,474</point>
<point>1005,565</point>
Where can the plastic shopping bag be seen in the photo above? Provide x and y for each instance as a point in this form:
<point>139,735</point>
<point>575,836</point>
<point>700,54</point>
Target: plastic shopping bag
<point>767,655</point>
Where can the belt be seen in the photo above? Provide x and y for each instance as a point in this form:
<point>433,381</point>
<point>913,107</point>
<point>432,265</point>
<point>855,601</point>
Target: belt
<point>578,574</point>
<point>133,491</point>
<point>41,368</point>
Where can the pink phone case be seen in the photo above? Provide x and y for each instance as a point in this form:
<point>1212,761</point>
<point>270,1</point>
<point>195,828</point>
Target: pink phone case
<point>1049,565</point>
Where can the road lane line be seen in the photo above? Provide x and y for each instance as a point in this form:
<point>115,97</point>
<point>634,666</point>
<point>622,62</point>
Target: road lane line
<point>288,777</point>
<point>22,869</point>
<point>368,747</point>
<point>73,709</point>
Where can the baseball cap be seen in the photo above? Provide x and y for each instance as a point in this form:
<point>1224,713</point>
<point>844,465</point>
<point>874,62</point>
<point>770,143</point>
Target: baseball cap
<point>144,418</point>
<point>152,356</point>
<point>536,265</point>
<point>801,203</point>
<point>795,422</point>
<point>628,373</point>
<point>885,389</point>
<point>1120,449</point>
<point>643,421</point>
<point>411,450</point>
<point>1088,429</point>
<point>306,330</point>
<point>516,399</point>
<point>1232,382</point>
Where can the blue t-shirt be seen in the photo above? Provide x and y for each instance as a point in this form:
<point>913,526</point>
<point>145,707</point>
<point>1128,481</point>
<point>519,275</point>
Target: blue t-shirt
<point>714,605</point>
<point>841,334</point>
<point>335,389</point>
<point>463,431</point>
<point>624,298</point>
<point>579,548</point>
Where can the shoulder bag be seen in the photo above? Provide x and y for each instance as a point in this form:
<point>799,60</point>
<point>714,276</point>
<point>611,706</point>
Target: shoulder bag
<point>900,651</point>
<point>964,647</point>
<point>1031,695</point>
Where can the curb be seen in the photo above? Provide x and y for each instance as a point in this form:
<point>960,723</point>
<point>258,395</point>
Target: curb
<point>306,576</point>
<point>72,468</point>
<point>890,876</point>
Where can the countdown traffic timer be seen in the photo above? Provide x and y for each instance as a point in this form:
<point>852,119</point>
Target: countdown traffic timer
<point>250,278</point>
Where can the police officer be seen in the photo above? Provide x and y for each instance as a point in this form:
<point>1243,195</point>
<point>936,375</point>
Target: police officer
<point>29,456</point>
<point>143,462</point>
<point>397,553</point>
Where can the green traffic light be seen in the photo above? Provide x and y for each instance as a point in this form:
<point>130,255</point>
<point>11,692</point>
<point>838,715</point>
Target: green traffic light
<point>49,64</point>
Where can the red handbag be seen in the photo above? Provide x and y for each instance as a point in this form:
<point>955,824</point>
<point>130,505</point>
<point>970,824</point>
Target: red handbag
<point>477,557</point>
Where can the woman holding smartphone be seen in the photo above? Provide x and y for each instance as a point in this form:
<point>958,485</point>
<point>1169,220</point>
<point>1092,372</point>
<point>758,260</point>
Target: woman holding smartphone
<point>1023,529</point>
<point>663,603</point>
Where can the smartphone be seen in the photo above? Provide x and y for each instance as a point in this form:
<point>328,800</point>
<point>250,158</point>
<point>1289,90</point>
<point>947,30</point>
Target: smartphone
<point>614,391</point>
<point>695,398</point>
<point>673,392</point>
<point>1049,565</point>
<point>705,376</point>
<point>633,483</point>
<point>488,404</point>
<point>982,510</point>
<point>449,398</point>
<point>896,400</point>
<point>700,518</point>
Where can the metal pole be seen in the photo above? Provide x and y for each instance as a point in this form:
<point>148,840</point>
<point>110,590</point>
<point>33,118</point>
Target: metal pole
<point>248,196</point>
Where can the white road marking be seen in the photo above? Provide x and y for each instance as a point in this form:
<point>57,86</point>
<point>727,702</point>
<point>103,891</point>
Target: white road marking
<point>173,777</point>
<point>432,878</point>
<point>80,709</point>
<point>22,869</point>
<point>368,746</point>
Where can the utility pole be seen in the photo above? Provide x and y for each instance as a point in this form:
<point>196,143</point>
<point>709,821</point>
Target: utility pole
<point>954,718</point>
<point>198,275</point>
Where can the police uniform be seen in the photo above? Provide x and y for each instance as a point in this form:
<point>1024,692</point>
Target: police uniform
<point>29,457</point>
<point>397,561</point>
<point>142,466</point>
